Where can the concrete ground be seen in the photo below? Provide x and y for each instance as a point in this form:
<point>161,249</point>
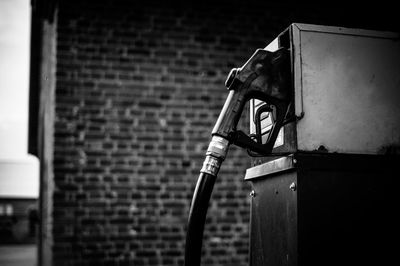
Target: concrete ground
<point>18,255</point>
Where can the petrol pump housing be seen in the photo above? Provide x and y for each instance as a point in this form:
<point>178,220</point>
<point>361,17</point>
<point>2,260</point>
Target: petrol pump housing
<point>326,195</point>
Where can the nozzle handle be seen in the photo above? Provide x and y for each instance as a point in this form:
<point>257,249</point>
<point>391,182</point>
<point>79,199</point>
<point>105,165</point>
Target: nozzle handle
<point>266,76</point>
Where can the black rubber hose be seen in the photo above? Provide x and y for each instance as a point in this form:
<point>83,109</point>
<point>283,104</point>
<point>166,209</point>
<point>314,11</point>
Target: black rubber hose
<point>197,218</point>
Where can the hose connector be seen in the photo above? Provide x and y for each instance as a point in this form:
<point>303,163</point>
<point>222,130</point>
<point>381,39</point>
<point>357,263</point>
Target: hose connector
<point>215,155</point>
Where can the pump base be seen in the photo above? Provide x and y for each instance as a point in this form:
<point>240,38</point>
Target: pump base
<point>324,209</point>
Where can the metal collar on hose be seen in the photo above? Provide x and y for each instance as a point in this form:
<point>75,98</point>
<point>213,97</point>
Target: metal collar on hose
<point>215,155</point>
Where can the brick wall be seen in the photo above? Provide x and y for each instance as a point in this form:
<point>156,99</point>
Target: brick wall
<point>139,86</point>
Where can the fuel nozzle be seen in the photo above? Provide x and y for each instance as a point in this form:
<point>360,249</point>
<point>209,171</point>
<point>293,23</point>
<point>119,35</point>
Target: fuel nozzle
<point>265,76</point>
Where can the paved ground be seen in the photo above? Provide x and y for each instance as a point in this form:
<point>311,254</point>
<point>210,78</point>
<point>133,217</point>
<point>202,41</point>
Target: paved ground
<point>18,255</point>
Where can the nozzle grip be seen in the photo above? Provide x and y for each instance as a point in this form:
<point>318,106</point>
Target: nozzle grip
<point>265,76</point>
<point>232,109</point>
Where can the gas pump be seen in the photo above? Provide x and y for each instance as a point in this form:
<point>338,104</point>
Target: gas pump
<point>324,138</point>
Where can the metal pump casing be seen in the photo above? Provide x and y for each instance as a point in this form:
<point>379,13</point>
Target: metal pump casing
<point>326,195</point>
<point>346,90</point>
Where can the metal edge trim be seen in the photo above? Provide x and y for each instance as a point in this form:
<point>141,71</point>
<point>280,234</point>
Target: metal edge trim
<point>297,70</point>
<point>272,167</point>
<point>347,31</point>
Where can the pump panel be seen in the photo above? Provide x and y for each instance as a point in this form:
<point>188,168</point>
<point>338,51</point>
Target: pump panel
<point>332,209</point>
